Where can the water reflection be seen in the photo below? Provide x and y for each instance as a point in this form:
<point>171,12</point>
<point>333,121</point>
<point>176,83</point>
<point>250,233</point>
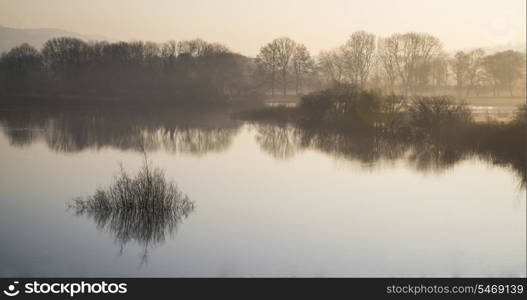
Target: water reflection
<point>277,140</point>
<point>198,133</point>
<point>144,227</point>
<point>425,154</point>
<point>75,130</point>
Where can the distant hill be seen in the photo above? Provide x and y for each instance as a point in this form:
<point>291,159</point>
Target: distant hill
<point>11,37</point>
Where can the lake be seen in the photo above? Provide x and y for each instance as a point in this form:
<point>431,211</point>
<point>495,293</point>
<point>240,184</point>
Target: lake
<point>269,201</point>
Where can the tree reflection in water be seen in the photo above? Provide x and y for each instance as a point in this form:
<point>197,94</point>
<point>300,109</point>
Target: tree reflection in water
<point>201,132</point>
<point>425,154</point>
<point>73,130</point>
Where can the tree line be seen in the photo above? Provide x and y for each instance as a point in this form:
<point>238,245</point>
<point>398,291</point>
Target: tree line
<point>402,63</point>
<point>408,64</point>
<point>193,69</point>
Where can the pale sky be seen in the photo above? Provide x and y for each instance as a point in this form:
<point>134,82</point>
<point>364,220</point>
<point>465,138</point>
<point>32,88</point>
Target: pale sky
<point>245,25</point>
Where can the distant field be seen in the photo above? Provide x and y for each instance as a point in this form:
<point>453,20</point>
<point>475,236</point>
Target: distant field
<point>495,101</point>
<point>494,108</point>
<point>490,101</point>
<point>279,100</point>
<point>483,108</point>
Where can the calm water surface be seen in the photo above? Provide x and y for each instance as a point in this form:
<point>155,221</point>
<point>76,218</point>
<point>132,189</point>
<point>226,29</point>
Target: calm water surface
<point>269,201</point>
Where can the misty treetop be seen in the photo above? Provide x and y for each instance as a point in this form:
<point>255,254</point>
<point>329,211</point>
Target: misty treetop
<point>416,63</point>
<point>284,56</point>
<point>403,63</point>
<point>196,70</point>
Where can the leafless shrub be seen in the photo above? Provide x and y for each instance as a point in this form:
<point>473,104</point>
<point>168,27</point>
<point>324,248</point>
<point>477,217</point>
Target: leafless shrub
<point>143,208</point>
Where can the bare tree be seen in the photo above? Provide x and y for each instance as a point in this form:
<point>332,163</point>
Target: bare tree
<point>468,70</point>
<point>169,50</point>
<point>504,69</point>
<point>195,48</point>
<point>460,64</point>
<point>387,56</point>
<point>20,68</point>
<point>358,54</point>
<point>475,72</point>
<point>267,61</point>
<point>276,57</point>
<point>428,49</point>
<point>409,55</point>
<point>439,72</point>
<point>65,54</point>
<point>331,65</point>
<point>302,64</point>
<point>285,49</point>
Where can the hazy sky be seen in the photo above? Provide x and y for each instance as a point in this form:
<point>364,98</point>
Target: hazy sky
<point>244,25</point>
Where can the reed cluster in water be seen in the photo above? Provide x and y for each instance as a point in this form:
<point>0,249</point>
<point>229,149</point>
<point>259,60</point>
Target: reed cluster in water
<point>147,190</point>
<point>143,208</point>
